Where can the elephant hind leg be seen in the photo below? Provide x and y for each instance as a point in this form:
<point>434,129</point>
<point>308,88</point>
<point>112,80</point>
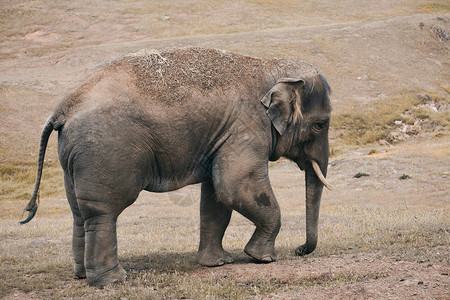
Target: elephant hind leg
<point>78,248</point>
<point>100,250</point>
<point>100,209</point>
<point>214,219</point>
<point>78,231</point>
<point>101,261</point>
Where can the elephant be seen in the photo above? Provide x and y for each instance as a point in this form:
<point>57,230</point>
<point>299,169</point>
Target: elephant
<point>161,120</point>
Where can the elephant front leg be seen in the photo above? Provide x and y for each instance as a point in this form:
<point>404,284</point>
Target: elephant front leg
<point>243,184</point>
<point>266,217</point>
<point>214,219</point>
<point>101,261</point>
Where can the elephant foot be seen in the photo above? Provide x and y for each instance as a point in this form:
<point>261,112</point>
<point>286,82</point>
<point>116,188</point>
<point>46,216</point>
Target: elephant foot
<point>303,250</point>
<point>214,258</point>
<point>79,271</point>
<point>115,275</point>
<point>264,254</point>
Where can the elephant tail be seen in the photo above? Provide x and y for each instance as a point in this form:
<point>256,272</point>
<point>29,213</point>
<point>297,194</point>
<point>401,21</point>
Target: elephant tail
<point>34,202</point>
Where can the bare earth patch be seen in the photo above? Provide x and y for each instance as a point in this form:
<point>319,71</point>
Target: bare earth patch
<point>350,276</point>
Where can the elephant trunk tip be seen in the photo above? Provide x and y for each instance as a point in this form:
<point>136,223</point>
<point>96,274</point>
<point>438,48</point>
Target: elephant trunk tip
<point>305,249</point>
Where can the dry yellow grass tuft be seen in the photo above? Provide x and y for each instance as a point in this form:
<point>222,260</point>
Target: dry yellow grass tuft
<point>433,6</point>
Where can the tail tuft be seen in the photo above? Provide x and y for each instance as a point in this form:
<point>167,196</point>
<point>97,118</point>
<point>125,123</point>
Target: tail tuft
<point>31,212</point>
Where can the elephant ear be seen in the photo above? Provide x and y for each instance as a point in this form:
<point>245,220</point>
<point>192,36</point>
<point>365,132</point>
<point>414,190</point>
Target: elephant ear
<point>282,101</point>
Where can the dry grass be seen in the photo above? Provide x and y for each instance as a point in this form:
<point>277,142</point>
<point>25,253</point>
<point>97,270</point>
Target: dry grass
<point>20,20</point>
<point>21,110</point>
<point>438,116</point>
<point>368,124</point>
<point>17,181</point>
<point>158,235</point>
<point>158,241</point>
<point>378,215</point>
<point>158,238</point>
<point>433,6</point>
<point>364,125</point>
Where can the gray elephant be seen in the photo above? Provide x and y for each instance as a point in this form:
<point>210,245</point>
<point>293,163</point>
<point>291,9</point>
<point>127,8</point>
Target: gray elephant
<point>158,121</point>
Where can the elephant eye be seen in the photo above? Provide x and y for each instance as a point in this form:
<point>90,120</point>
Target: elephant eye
<point>318,126</point>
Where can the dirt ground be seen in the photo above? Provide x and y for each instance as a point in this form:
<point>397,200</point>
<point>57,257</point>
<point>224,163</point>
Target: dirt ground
<point>368,53</point>
<point>376,277</point>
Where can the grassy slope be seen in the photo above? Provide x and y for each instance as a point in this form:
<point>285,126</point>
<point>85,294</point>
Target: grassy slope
<point>164,267</point>
<point>175,19</point>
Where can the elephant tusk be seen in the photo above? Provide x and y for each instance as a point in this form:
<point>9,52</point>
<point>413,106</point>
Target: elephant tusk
<point>319,174</point>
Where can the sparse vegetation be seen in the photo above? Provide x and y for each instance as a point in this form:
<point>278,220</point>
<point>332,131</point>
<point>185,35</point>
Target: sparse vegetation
<point>21,20</point>
<point>157,244</point>
<point>17,181</point>
<point>439,6</point>
<point>368,226</point>
<point>67,24</point>
<point>21,111</point>
<point>365,125</point>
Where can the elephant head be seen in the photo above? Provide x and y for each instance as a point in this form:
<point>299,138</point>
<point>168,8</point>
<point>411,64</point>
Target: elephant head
<point>299,109</point>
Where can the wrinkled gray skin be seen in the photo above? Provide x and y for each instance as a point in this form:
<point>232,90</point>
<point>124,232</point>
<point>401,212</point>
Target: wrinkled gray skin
<point>160,121</point>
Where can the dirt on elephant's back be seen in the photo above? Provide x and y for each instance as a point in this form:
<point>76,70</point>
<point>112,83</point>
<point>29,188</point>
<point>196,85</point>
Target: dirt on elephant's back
<point>202,69</point>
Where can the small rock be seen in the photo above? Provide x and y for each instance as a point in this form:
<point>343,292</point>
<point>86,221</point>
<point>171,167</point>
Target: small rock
<point>383,143</point>
<point>440,33</point>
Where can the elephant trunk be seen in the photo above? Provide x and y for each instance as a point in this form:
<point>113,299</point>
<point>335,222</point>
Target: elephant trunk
<point>315,180</point>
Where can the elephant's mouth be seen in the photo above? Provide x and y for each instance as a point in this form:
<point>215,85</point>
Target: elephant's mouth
<point>301,166</point>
